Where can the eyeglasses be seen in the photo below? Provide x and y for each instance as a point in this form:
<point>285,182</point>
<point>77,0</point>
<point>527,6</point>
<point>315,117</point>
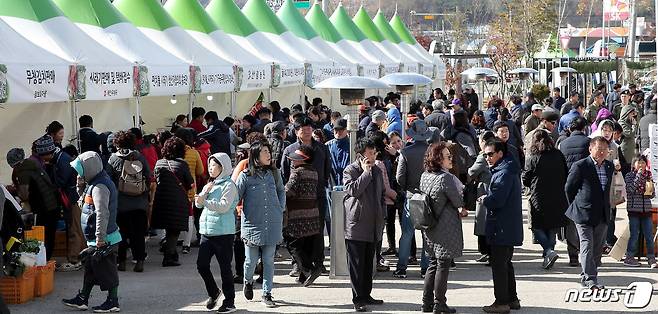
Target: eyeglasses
<point>552,122</point>
<point>489,154</point>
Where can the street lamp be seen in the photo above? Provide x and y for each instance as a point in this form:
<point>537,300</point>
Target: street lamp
<point>564,72</point>
<point>352,94</point>
<point>524,75</point>
<point>480,75</point>
<point>405,83</point>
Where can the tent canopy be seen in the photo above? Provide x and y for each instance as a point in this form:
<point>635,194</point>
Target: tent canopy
<point>216,74</point>
<point>167,74</point>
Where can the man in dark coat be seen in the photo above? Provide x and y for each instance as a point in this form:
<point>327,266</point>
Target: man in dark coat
<point>574,148</point>
<point>89,139</point>
<point>588,192</point>
<point>217,135</point>
<point>438,118</point>
<point>504,224</point>
<point>649,118</point>
<point>364,219</point>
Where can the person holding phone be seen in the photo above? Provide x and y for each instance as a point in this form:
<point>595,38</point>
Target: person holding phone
<point>365,210</point>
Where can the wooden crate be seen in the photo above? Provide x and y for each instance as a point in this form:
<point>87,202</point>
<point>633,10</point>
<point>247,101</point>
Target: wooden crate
<point>44,280</point>
<point>17,290</point>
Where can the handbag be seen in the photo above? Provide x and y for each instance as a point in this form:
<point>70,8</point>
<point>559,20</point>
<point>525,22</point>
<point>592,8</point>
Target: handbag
<point>618,189</point>
<point>649,188</point>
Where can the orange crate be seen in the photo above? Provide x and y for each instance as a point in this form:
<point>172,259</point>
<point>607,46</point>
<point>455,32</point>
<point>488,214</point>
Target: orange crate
<point>44,280</point>
<point>37,233</point>
<point>17,290</point>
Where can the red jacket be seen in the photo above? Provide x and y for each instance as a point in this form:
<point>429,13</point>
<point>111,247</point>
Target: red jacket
<point>197,126</point>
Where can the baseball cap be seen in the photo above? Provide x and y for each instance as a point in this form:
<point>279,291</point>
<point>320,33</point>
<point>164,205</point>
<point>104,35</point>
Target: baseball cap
<point>537,107</point>
<point>298,155</point>
<point>340,125</point>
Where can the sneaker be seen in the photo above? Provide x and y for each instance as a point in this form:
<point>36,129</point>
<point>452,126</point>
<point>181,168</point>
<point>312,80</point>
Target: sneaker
<point>248,291</point>
<point>109,306</point>
<point>483,259</point>
<point>606,249</point>
<point>413,260</point>
<point>259,279</point>
<point>315,273</point>
<point>443,308</point>
<point>631,262</point>
<point>212,301</point>
<point>515,305</point>
<point>549,260</point>
<point>301,279</point>
<point>80,302</point>
<point>295,271</point>
<point>186,250</point>
<point>652,261</point>
<point>237,279</point>
<point>373,301</point>
<point>68,267</point>
<point>390,251</point>
<point>267,300</point>
<point>574,263</point>
<point>360,307</point>
<point>226,309</point>
<point>382,268</point>
<point>422,273</point>
<point>324,269</point>
<point>496,308</point>
<point>400,273</point>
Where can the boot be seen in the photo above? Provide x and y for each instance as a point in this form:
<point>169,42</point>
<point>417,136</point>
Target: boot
<point>139,267</point>
<point>121,266</point>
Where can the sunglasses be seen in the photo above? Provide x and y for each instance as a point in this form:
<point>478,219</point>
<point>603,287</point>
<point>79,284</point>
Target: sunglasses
<point>489,154</point>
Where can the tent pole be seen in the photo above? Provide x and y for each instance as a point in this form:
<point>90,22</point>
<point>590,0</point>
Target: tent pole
<point>269,95</point>
<point>191,97</point>
<point>234,99</point>
<point>138,112</point>
<point>302,93</point>
<point>76,127</point>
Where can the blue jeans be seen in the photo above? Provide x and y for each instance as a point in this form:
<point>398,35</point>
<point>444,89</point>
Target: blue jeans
<point>546,238</point>
<point>251,259</point>
<point>407,236</point>
<point>637,225</point>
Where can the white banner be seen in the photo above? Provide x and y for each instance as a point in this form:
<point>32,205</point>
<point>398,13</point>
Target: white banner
<point>217,79</point>
<point>36,84</point>
<point>166,81</point>
<point>256,77</point>
<point>107,83</point>
<point>291,75</point>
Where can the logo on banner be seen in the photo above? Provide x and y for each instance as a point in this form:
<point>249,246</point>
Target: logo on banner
<point>4,85</point>
<point>77,86</point>
<point>636,296</point>
<point>141,86</point>
<point>195,79</point>
<point>616,10</point>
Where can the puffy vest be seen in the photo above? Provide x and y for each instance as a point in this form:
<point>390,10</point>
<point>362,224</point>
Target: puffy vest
<point>214,223</point>
<point>88,217</point>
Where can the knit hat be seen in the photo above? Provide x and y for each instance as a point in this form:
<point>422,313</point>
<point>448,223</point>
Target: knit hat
<point>44,145</point>
<point>550,115</point>
<point>15,156</point>
<point>378,115</point>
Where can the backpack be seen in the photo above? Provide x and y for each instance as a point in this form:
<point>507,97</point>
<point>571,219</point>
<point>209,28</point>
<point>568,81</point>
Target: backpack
<point>420,210</point>
<point>132,181</point>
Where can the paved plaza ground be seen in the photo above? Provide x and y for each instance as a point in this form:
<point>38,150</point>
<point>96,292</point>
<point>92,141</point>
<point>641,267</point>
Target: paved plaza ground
<point>173,290</point>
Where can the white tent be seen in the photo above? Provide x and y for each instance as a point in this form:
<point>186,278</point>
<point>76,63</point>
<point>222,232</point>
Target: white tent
<point>31,73</point>
<point>168,74</point>
<point>105,74</point>
<point>256,70</point>
<point>216,74</point>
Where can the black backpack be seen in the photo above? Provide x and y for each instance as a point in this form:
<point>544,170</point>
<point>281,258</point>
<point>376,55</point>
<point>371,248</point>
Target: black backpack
<point>420,210</point>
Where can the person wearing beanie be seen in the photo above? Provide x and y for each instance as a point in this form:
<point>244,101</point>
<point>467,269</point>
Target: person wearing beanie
<point>378,119</point>
<point>534,119</point>
<point>549,120</point>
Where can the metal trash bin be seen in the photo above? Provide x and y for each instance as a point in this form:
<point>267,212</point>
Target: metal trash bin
<point>338,268</point>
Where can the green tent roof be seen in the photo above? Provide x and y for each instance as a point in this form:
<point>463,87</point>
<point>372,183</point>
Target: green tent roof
<point>322,25</point>
<point>99,13</point>
<point>385,28</point>
<point>402,31</point>
<point>365,24</point>
<point>35,10</point>
<point>345,26</point>
<point>295,22</point>
<point>145,13</point>
<point>190,15</point>
<point>261,16</point>
<point>227,15</point>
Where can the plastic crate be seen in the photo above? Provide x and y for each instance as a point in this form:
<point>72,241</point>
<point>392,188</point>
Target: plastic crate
<point>61,244</point>
<point>44,279</point>
<point>37,233</point>
<point>17,290</point>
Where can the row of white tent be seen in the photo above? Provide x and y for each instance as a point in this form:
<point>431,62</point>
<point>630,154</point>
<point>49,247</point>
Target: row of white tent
<point>59,50</point>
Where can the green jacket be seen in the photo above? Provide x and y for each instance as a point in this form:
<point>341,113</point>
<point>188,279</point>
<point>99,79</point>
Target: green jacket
<point>30,179</point>
<point>629,132</point>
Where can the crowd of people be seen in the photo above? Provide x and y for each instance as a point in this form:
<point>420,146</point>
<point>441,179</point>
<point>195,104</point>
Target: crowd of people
<point>241,190</point>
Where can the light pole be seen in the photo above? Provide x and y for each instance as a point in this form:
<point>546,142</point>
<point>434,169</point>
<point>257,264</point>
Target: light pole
<point>480,75</point>
<point>405,84</point>
<point>524,75</point>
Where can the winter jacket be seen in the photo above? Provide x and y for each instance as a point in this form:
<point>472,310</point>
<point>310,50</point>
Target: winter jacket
<point>218,202</point>
<point>446,234</point>
<point>171,205</point>
<point>604,114</point>
<point>531,123</point>
<point>197,126</point>
<point>480,174</point>
<point>490,116</point>
<point>629,132</point>
<point>195,164</point>
<point>589,204</point>
<point>566,119</point>
<point>575,147</point>
<point>643,129</point>
<point>62,174</point>
<point>339,149</point>
<point>241,166</point>
<point>394,121</point>
<point>114,169</point>
<point>264,199</point>
<point>89,140</point>
<point>218,137</point>
<point>504,224</point>
<point>303,215</point>
<point>364,203</point>
<point>149,152</point>
<point>371,129</point>
<point>636,202</point>
<point>592,112</point>
<point>99,202</point>
<point>545,174</point>
<point>410,165</point>
<point>321,163</point>
<point>35,186</point>
<point>278,146</point>
<point>438,119</point>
